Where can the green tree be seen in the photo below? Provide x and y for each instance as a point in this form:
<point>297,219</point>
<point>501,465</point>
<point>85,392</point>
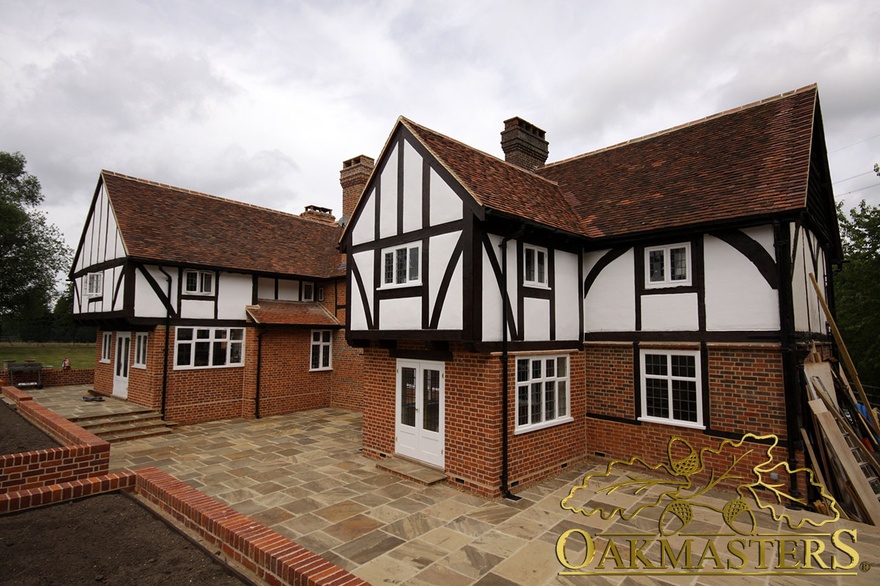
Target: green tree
<point>32,251</point>
<point>857,289</point>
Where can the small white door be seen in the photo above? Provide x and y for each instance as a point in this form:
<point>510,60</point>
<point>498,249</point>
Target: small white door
<point>420,411</point>
<point>120,372</point>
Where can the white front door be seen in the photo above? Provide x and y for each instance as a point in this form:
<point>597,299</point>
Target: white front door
<point>120,372</point>
<point>419,413</point>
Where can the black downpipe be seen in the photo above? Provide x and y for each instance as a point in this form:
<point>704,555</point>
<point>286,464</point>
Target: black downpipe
<point>167,340</point>
<point>260,333</point>
<point>505,376</point>
<point>791,377</point>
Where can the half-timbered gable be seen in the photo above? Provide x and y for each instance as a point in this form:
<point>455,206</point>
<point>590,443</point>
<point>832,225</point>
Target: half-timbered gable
<point>652,287</point>
<point>176,280</point>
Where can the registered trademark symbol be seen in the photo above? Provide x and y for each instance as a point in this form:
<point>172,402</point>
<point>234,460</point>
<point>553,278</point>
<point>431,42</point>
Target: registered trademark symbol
<point>864,567</point>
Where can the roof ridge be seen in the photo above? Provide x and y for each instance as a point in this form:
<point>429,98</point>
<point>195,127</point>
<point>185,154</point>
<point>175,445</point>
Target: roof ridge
<point>482,152</point>
<point>687,124</point>
<point>210,196</point>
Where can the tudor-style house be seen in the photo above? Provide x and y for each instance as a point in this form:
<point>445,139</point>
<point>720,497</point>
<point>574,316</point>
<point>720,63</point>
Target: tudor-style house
<point>210,308</point>
<point>517,317</point>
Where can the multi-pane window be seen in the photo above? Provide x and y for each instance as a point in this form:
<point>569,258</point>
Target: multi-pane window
<point>308,292</point>
<point>198,282</point>
<point>140,350</point>
<point>208,347</point>
<point>542,396</point>
<point>106,346</point>
<point>94,284</point>
<point>671,387</point>
<point>534,266</point>
<point>401,265</point>
<point>322,346</point>
<point>668,266</point>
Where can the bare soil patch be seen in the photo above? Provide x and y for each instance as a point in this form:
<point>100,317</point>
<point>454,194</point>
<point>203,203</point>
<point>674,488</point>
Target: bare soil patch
<point>107,539</point>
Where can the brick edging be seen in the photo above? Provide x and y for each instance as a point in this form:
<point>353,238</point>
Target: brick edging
<point>85,455</point>
<point>30,498</point>
<point>268,554</point>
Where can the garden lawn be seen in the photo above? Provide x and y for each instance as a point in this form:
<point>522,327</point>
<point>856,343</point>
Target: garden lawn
<point>81,355</point>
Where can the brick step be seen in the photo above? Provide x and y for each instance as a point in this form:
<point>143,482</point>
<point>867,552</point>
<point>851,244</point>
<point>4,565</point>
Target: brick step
<point>142,425</point>
<point>135,434</point>
<point>85,420</point>
<point>101,421</point>
<point>415,471</point>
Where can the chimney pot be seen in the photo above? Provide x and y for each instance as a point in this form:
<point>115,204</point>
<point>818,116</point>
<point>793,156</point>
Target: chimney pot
<point>524,144</point>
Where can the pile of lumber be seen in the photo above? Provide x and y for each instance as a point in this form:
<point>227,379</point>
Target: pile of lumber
<point>843,441</point>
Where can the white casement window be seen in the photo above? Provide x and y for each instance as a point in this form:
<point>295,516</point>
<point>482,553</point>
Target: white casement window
<point>322,347</point>
<point>402,265</point>
<point>106,346</point>
<point>542,397</point>
<point>94,285</point>
<point>208,347</point>
<point>671,390</point>
<point>308,292</point>
<point>140,350</point>
<point>198,282</point>
<point>668,266</point>
<point>534,266</point>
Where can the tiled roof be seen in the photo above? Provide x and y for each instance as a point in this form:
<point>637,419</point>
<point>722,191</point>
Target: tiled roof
<point>752,161</point>
<point>169,224</point>
<point>292,313</point>
<point>498,185</point>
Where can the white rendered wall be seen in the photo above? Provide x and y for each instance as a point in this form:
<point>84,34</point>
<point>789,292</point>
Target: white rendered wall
<point>364,230</point>
<point>491,294</point>
<point>673,311</point>
<point>197,308</point>
<point>737,295</point>
<point>611,301</point>
<point>400,314</point>
<point>808,314</point>
<point>568,301</point>
<point>146,302</point>
<point>388,197</point>
<point>440,251</point>
<point>288,290</point>
<point>445,205</point>
<point>364,263</point>
<point>536,319</point>
<point>233,295</point>
<point>412,189</point>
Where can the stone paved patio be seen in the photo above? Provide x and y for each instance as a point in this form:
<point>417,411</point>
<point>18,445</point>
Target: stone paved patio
<point>303,476</point>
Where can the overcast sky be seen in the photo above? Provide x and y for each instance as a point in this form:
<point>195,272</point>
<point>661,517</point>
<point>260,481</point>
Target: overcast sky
<point>262,101</point>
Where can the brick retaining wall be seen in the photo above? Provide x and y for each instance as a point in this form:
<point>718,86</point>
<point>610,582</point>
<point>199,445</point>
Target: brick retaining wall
<point>82,455</point>
<point>52,377</point>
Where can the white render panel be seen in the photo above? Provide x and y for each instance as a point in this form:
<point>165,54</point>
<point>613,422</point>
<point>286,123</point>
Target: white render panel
<point>412,188</point>
<point>364,262</point>
<point>233,295</point>
<point>536,319</point>
<point>400,314</point>
<point>440,250</point>
<point>265,288</point>
<point>611,301</point>
<point>102,241</point>
<point>388,197</point>
<point>673,311</point>
<point>737,296</point>
<point>197,308</point>
<point>117,304</point>
<point>364,230</point>
<point>445,205</point>
<point>567,299</point>
<point>491,294</point>
<point>146,302</point>
<point>288,290</point>
<point>808,314</point>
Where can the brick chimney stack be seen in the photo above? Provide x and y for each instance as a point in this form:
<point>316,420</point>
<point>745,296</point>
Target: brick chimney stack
<point>524,144</point>
<point>353,178</point>
<point>318,214</point>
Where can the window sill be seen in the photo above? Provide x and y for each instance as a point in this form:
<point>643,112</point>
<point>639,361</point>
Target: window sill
<point>544,425</point>
<point>532,285</point>
<point>209,367</point>
<point>104,361</point>
<point>668,285</point>
<point>330,369</point>
<point>388,286</point>
<point>672,422</point>
<point>139,366</point>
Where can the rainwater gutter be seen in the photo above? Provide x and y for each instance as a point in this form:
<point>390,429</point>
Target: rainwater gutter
<point>505,375</point>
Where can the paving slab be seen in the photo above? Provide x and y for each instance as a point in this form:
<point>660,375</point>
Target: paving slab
<point>304,476</point>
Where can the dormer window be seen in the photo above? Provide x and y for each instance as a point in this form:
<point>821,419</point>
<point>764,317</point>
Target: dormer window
<point>668,266</point>
<point>198,282</point>
<point>534,266</point>
<point>402,265</point>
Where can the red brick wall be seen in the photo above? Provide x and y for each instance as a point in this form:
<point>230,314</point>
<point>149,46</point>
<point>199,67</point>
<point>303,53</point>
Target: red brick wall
<point>610,390</point>
<point>81,455</point>
<point>378,392</point>
<point>346,387</point>
<point>104,370</point>
<point>56,377</point>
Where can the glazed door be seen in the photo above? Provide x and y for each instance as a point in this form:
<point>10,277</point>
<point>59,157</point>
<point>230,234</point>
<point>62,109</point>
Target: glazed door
<point>121,363</point>
<point>419,413</point>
